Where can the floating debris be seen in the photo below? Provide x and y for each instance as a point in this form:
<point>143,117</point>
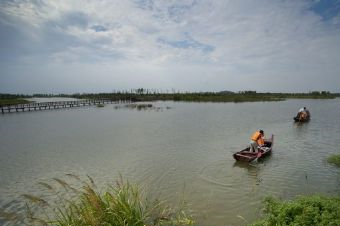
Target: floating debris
<point>140,107</point>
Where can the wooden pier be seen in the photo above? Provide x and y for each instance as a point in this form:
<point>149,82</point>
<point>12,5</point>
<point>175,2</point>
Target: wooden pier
<point>57,105</point>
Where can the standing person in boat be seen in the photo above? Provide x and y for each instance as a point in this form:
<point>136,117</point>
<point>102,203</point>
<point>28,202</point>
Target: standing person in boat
<point>256,140</point>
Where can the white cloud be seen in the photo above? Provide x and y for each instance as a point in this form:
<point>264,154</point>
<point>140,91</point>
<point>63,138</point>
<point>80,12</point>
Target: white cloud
<point>242,40</point>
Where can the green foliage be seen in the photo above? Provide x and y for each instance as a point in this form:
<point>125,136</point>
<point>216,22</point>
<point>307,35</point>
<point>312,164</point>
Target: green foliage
<point>334,159</point>
<point>13,96</point>
<point>121,205</point>
<point>12,101</point>
<point>304,211</point>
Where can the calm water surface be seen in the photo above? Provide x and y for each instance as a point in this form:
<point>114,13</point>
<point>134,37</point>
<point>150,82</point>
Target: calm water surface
<point>184,151</point>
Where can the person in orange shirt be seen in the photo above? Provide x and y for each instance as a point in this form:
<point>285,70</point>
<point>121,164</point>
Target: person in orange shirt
<point>256,140</point>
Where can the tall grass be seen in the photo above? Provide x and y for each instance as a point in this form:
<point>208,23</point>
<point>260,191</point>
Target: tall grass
<point>122,204</point>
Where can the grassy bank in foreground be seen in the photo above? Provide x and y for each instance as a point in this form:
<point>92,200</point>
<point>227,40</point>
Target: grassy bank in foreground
<point>304,211</point>
<point>123,204</point>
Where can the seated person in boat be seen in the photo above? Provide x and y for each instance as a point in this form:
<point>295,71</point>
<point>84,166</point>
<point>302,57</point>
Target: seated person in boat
<point>256,141</point>
<point>303,114</point>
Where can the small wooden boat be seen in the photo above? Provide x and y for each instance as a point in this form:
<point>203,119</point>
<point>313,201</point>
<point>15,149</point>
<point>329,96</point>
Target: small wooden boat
<point>299,119</point>
<point>302,117</point>
<point>264,151</point>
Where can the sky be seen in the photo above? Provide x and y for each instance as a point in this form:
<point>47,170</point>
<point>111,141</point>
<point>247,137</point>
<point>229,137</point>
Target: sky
<point>81,46</point>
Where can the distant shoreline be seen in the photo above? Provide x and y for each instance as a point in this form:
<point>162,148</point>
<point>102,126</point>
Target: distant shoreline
<point>145,95</point>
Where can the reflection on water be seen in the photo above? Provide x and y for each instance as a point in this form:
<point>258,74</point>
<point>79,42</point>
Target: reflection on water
<point>185,150</point>
<point>51,99</point>
<point>251,169</point>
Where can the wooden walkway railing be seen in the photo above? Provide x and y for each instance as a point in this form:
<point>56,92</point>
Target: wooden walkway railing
<point>56,105</point>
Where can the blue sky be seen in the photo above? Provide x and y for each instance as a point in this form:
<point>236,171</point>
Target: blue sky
<point>70,46</point>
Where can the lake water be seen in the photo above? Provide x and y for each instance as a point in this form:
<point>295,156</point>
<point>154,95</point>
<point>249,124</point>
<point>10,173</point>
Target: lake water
<point>177,151</point>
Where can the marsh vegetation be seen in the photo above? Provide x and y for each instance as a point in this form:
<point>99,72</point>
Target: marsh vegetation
<point>334,159</point>
<point>100,105</point>
<point>142,94</point>
<point>121,204</point>
<point>303,211</point>
<point>14,101</point>
<point>224,96</point>
<point>141,107</point>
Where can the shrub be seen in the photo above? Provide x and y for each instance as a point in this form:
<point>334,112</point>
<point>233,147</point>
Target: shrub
<point>334,159</point>
<point>309,210</point>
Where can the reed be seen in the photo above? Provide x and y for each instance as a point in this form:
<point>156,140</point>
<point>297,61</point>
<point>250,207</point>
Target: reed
<point>122,204</point>
<point>334,159</point>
